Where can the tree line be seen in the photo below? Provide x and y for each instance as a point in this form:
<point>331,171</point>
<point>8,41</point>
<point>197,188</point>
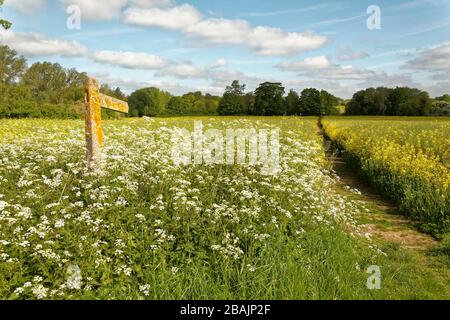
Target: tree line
<point>269,100</point>
<point>401,101</point>
<point>153,102</point>
<point>48,90</point>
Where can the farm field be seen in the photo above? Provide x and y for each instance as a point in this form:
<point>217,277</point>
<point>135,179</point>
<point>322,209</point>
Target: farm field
<point>144,228</point>
<point>407,159</point>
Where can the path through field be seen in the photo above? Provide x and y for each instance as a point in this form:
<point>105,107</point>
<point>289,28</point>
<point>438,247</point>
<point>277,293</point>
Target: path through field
<point>386,222</point>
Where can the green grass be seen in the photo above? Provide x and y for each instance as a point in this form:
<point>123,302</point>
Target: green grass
<point>189,232</point>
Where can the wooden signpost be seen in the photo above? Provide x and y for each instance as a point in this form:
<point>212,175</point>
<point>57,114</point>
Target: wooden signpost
<point>93,117</point>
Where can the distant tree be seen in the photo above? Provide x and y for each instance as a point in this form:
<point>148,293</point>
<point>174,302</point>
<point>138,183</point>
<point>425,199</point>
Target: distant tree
<point>310,103</point>
<point>401,101</point>
<point>148,102</point>
<point>328,102</point>
<point>232,102</point>
<point>236,88</point>
<point>177,106</point>
<point>406,101</point>
<point>47,81</point>
<point>211,103</point>
<point>4,23</point>
<point>445,97</point>
<point>249,103</point>
<point>193,103</point>
<point>292,103</point>
<point>113,92</point>
<point>74,86</point>
<point>12,66</point>
<point>269,99</point>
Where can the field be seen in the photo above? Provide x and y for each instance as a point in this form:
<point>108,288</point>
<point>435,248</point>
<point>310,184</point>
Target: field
<point>408,159</point>
<point>144,228</point>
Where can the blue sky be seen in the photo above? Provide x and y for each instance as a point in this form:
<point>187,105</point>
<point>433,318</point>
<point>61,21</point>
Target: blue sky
<point>181,46</point>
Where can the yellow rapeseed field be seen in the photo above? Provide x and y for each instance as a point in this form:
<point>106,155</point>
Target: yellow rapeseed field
<point>406,158</point>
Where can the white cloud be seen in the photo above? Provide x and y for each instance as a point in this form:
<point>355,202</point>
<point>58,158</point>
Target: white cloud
<point>220,78</point>
<point>265,41</point>
<point>308,64</point>
<point>26,6</point>
<point>276,42</point>
<point>346,73</point>
<point>435,59</point>
<point>33,44</point>
<point>98,9</point>
<point>175,18</point>
<point>152,3</point>
<point>129,85</point>
<point>347,54</point>
<point>439,88</point>
<point>218,63</point>
<point>183,70</point>
<point>220,31</point>
<point>129,60</point>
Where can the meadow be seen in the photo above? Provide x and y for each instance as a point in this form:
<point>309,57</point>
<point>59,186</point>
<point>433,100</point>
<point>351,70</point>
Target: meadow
<point>144,228</point>
<point>407,159</point>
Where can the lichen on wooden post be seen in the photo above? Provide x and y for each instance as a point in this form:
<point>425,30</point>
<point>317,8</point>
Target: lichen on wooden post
<point>94,132</point>
<point>95,101</point>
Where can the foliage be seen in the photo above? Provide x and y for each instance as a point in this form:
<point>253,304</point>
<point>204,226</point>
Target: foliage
<point>407,159</point>
<point>292,103</point>
<point>193,103</point>
<point>233,101</point>
<point>12,66</point>
<point>143,228</point>
<point>4,23</point>
<point>401,101</point>
<point>269,99</point>
<point>51,84</point>
<point>310,102</point>
<point>148,102</point>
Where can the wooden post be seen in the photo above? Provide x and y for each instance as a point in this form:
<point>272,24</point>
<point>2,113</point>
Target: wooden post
<point>95,101</point>
<point>93,119</point>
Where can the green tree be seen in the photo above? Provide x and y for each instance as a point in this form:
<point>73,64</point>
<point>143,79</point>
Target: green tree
<point>12,66</point>
<point>47,81</point>
<point>310,104</point>
<point>292,103</point>
<point>113,92</point>
<point>269,99</point>
<point>74,86</point>
<point>148,102</point>
<point>445,97</point>
<point>4,23</point>
<point>232,102</point>
<point>177,106</point>
<point>328,102</point>
<point>249,103</point>
<point>404,101</point>
<point>401,101</point>
<point>211,104</point>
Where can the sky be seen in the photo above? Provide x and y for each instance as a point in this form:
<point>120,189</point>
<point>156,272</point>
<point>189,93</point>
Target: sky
<point>198,45</point>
